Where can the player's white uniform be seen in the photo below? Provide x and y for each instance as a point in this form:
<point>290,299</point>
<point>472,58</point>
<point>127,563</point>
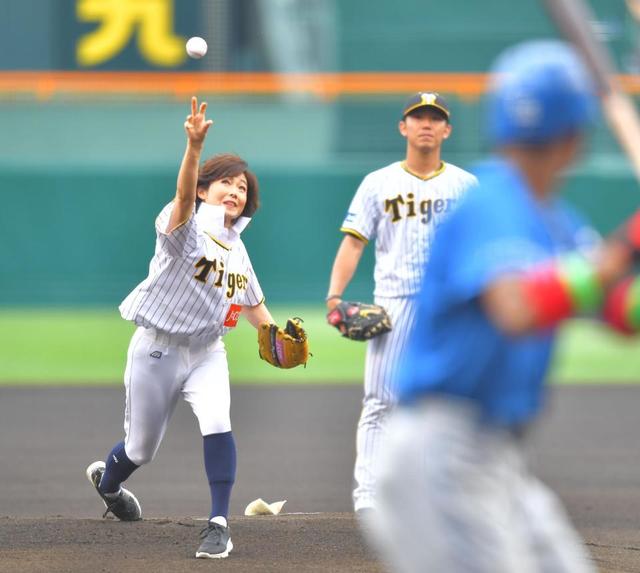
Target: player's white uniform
<point>458,495</point>
<point>199,278</point>
<point>401,211</point>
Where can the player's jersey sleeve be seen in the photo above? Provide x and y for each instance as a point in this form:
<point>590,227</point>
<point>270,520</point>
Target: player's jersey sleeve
<point>183,239</point>
<point>363,216</point>
<point>254,291</point>
<point>254,294</point>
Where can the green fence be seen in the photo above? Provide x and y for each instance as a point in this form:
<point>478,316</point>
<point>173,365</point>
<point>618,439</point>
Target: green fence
<point>86,237</point>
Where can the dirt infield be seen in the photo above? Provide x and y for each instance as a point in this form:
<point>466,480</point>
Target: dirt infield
<point>289,543</point>
<point>327,542</point>
<point>293,443</point>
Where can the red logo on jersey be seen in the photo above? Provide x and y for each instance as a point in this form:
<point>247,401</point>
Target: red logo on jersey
<point>233,315</point>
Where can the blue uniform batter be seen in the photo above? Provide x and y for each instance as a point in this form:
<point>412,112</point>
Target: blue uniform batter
<point>500,228</point>
<point>454,492</point>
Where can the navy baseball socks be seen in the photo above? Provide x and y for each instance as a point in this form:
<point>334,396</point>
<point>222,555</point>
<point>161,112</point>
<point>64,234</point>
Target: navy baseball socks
<point>220,465</point>
<point>106,479</point>
<point>118,468</point>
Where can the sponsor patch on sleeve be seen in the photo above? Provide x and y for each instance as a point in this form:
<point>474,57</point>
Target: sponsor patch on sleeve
<point>233,315</point>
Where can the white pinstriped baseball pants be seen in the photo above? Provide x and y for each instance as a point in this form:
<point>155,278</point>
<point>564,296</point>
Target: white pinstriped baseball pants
<point>455,495</point>
<point>383,353</point>
<point>160,369</point>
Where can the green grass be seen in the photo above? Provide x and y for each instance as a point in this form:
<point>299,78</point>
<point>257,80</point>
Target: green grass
<point>89,347</point>
<point>590,352</point>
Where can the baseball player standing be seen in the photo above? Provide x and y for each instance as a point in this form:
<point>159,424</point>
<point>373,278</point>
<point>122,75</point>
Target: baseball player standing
<point>200,281</point>
<point>454,493</point>
<point>400,206</point>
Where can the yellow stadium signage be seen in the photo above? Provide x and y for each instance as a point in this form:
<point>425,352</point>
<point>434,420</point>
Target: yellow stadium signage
<point>151,21</point>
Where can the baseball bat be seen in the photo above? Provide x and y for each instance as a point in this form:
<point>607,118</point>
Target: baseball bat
<point>575,21</point>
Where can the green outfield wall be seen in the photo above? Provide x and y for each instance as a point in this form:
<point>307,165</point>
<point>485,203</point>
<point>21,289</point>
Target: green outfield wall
<point>87,237</point>
<point>80,194</point>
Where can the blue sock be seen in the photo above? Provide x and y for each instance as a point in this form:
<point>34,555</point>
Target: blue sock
<point>220,465</point>
<point>119,468</point>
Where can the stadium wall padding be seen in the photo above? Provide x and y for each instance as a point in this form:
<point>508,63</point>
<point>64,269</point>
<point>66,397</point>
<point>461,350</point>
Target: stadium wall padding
<point>84,238</point>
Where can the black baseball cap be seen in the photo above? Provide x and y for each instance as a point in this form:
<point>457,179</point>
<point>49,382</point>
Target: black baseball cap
<point>426,99</point>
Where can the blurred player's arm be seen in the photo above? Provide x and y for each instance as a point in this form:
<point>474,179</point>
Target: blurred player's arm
<point>541,298</point>
<point>257,314</point>
<point>344,267</point>
<point>196,127</point>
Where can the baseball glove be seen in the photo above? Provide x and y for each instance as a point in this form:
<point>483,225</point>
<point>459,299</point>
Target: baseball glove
<point>359,321</point>
<point>283,348</point>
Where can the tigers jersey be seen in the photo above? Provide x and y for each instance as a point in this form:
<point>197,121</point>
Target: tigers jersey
<point>199,277</point>
<point>401,211</point>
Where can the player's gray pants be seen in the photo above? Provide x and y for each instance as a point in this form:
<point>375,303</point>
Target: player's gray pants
<point>456,496</point>
<point>161,368</point>
<point>381,362</point>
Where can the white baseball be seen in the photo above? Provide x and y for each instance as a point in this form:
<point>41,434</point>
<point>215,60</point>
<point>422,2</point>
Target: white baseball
<point>196,47</point>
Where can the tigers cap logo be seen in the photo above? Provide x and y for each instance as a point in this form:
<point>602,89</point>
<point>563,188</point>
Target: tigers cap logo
<point>426,99</point>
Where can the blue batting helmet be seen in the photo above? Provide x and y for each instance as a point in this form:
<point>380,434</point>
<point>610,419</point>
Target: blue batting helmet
<point>540,90</point>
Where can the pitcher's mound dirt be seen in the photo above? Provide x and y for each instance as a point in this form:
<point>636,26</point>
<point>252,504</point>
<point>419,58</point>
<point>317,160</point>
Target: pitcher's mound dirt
<point>301,543</point>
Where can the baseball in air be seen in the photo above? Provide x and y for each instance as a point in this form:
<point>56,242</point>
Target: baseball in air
<point>196,47</point>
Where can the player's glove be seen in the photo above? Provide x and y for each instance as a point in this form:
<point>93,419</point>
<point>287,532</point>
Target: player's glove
<point>359,321</point>
<point>283,348</point>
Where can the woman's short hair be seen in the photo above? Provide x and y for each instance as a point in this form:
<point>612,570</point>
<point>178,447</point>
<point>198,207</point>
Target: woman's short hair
<point>229,165</point>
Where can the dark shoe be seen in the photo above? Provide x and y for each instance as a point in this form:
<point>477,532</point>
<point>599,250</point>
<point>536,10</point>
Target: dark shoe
<point>216,542</point>
<point>123,505</point>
